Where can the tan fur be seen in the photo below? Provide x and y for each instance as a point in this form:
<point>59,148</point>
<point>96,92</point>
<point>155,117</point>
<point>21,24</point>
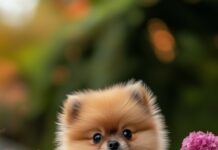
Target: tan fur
<point>112,108</point>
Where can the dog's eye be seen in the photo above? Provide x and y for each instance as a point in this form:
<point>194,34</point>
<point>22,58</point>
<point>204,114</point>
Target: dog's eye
<point>97,138</point>
<point>127,134</point>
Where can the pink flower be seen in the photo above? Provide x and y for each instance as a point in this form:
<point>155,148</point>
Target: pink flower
<point>200,141</point>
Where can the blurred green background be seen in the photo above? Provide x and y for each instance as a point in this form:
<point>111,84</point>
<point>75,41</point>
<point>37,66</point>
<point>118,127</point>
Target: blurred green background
<point>49,48</point>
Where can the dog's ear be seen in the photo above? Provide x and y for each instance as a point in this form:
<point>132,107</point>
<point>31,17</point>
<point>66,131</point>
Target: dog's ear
<point>71,108</point>
<point>141,93</point>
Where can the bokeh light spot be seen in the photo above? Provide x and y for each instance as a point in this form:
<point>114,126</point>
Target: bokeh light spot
<point>16,13</point>
<point>162,40</point>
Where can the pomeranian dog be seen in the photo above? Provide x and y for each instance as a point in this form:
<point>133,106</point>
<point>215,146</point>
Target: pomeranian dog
<point>122,117</point>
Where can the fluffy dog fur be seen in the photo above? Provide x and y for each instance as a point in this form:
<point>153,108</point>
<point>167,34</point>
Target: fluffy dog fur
<point>109,112</point>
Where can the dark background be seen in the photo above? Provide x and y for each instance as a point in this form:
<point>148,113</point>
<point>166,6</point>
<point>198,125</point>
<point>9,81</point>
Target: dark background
<point>53,47</point>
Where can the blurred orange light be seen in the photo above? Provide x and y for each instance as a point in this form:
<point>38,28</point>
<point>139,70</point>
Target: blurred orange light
<point>8,71</point>
<point>162,40</point>
<point>76,9</point>
<point>13,91</point>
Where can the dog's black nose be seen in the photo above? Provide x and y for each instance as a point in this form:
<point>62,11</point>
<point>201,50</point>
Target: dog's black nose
<point>113,145</point>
